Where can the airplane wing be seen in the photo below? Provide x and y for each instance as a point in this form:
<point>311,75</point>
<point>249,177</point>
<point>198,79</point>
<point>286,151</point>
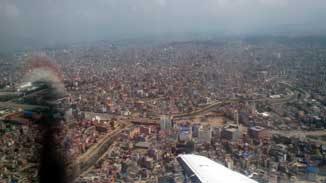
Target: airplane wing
<point>200,169</point>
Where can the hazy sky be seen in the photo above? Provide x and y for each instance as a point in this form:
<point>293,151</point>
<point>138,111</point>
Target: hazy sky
<point>55,21</point>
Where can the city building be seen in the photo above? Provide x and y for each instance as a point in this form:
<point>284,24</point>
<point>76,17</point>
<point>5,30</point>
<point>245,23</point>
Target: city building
<point>165,122</point>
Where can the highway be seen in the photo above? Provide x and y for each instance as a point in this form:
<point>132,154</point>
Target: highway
<point>86,161</point>
<point>10,104</point>
<point>290,98</point>
<point>298,133</point>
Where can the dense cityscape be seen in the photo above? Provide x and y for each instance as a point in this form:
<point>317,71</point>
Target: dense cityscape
<point>257,106</point>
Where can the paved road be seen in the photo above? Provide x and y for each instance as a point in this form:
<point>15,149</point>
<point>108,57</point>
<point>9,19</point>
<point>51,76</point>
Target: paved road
<point>298,133</point>
<point>290,98</point>
<point>108,136</point>
<point>86,161</point>
<point>11,105</point>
